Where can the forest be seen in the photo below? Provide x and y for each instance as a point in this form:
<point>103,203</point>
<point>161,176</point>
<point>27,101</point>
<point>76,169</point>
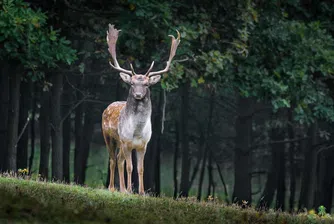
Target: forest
<point>245,114</point>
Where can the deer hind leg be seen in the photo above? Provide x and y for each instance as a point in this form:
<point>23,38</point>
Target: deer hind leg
<point>140,168</point>
<point>111,146</point>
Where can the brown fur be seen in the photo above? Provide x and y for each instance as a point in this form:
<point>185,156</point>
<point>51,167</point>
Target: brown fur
<point>110,120</point>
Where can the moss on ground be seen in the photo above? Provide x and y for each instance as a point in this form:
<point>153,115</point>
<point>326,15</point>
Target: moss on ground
<point>27,201</point>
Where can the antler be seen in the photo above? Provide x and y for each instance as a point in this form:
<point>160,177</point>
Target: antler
<point>112,37</point>
<point>175,43</point>
<point>148,71</point>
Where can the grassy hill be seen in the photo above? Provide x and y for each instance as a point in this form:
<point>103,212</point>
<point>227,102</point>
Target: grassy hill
<point>27,201</point>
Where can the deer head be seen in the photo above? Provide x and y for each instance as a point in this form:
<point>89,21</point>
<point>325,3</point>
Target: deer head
<point>139,83</point>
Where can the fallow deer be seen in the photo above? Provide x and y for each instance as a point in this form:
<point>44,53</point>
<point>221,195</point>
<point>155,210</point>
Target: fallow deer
<point>127,125</point>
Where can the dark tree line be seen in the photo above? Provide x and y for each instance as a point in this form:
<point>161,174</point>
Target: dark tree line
<point>245,113</point>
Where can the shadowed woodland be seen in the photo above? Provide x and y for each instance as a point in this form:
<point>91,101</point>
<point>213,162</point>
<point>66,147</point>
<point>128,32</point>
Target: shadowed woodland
<point>245,113</point>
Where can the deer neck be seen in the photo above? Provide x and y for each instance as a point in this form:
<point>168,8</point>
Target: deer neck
<point>135,120</point>
<point>140,109</point>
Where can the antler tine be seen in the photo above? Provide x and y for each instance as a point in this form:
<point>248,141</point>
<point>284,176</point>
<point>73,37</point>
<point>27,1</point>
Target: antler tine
<point>132,70</point>
<point>174,45</point>
<point>148,71</point>
<point>112,36</point>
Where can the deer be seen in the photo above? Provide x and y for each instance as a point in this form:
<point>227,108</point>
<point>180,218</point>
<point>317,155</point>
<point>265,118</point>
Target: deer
<point>126,125</point>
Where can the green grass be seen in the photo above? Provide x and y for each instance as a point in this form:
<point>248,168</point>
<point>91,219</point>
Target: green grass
<point>97,168</point>
<point>28,201</point>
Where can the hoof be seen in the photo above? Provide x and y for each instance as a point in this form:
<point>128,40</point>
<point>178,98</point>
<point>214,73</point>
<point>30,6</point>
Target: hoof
<point>112,189</point>
<point>143,193</point>
<point>124,191</point>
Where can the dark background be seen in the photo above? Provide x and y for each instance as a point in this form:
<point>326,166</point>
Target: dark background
<point>246,109</point>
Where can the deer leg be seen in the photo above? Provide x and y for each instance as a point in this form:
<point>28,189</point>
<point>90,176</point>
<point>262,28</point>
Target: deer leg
<point>129,168</point>
<point>111,146</point>
<point>112,157</point>
<point>120,159</point>
<point>140,168</point>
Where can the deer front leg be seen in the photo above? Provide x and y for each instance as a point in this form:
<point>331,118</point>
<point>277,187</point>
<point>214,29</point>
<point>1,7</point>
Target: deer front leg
<point>120,159</point>
<point>140,168</point>
<point>129,167</point>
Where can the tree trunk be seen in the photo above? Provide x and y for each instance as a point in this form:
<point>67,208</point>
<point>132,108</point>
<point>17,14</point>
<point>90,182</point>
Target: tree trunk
<point>153,152</point>
<point>328,183</point>
<point>78,135</point>
<point>66,148</point>
<point>82,157</point>
<point>176,154</point>
<point>313,166</point>
<point>22,145</point>
<point>321,175</point>
<point>303,147</point>
<point>149,165</point>
<point>157,167</point>
<point>13,121</point>
<point>210,175</point>
<point>309,171</point>
<point>223,182</point>
<point>67,99</point>
<point>280,198</point>
<point>242,156</point>
<point>325,179</point>
<point>199,156</point>
<point>158,145</point>
<point>201,176</point>
<point>56,129</point>
<point>275,174</point>
<point>268,193</point>
<point>292,167</point>
<point>4,108</point>
<point>184,185</point>
<point>45,134</point>
<point>32,127</point>
<point>205,145</point>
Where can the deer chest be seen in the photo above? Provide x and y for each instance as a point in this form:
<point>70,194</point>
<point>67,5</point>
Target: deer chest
<point>135,129</point>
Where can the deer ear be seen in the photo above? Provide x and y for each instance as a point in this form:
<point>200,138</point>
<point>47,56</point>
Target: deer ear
<point>154,79</point>
<point>126,78</point>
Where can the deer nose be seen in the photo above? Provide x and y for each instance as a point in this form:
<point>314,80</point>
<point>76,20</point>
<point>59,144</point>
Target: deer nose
<point>138,95</point>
